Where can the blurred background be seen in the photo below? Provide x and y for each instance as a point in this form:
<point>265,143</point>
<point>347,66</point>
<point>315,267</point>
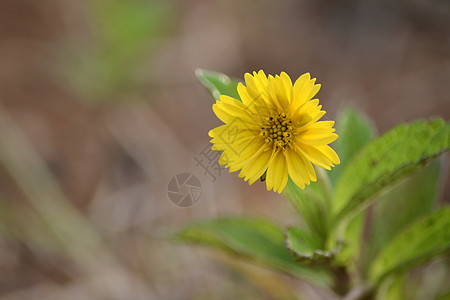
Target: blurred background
<point>100,108</point>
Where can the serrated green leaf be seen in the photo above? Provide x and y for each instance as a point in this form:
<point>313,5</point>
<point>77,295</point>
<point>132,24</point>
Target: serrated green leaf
<point>306,248</point>
<point>423,240</point>
<point>218,84</point>
<point>355,130</point>
<point>411,199</point>
<point>254,239</point>
<point>395,155</point>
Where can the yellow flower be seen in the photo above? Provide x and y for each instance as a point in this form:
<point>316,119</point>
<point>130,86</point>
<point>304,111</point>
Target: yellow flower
<point>275,128</point>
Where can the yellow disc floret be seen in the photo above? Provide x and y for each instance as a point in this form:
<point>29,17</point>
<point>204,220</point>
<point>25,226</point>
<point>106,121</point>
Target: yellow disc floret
<point>278,131</point>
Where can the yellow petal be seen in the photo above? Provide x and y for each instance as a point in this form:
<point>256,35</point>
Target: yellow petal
<point>286,89</point>
<point>303,90</point>
<point>317,128</point>
<point>318,139</point>
<point>223,115</point>
<point>243,93</point>
<point>256,88</point>
<point>229,134</point>
<point>309,168</point>
<point>277,172</point>
<point>297,169</point>
<point>242,152</point>
<point>228,109</point>
<point>330,153</point>
<point>258,105</point>
<point>322,124</point>
<point>308,113</point>
<point>250,82</point>
<point>322,156</point>
<point>314,91</point>
<point>234,104</point>
<point>308,107</point>
<point>256,167</point>
<point>298,87</point>
<point>274,96</point>
<point>260,80</point>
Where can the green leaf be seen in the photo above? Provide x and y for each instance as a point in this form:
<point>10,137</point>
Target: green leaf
<point>423,240</point>
<point>306,248</point>
<point>408,201</point>
<point>218,84</point>
<point>386,160</point>
<point>254,239</point>
<point>311,207</point>
<point>355,130</point>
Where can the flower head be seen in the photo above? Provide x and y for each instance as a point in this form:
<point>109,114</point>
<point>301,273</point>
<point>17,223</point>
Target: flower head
<point>275,130</point>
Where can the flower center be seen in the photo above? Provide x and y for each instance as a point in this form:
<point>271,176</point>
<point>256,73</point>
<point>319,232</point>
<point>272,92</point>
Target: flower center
<point>277,130</point>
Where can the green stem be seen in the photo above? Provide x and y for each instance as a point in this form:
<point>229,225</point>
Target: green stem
<point>326,188</point>
<point>342,280</point>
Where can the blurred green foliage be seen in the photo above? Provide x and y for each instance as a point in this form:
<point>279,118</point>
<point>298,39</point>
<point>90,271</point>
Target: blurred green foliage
<point>123,35</point>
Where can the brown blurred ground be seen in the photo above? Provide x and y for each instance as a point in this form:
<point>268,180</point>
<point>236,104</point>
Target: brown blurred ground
<point>113,158</point>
